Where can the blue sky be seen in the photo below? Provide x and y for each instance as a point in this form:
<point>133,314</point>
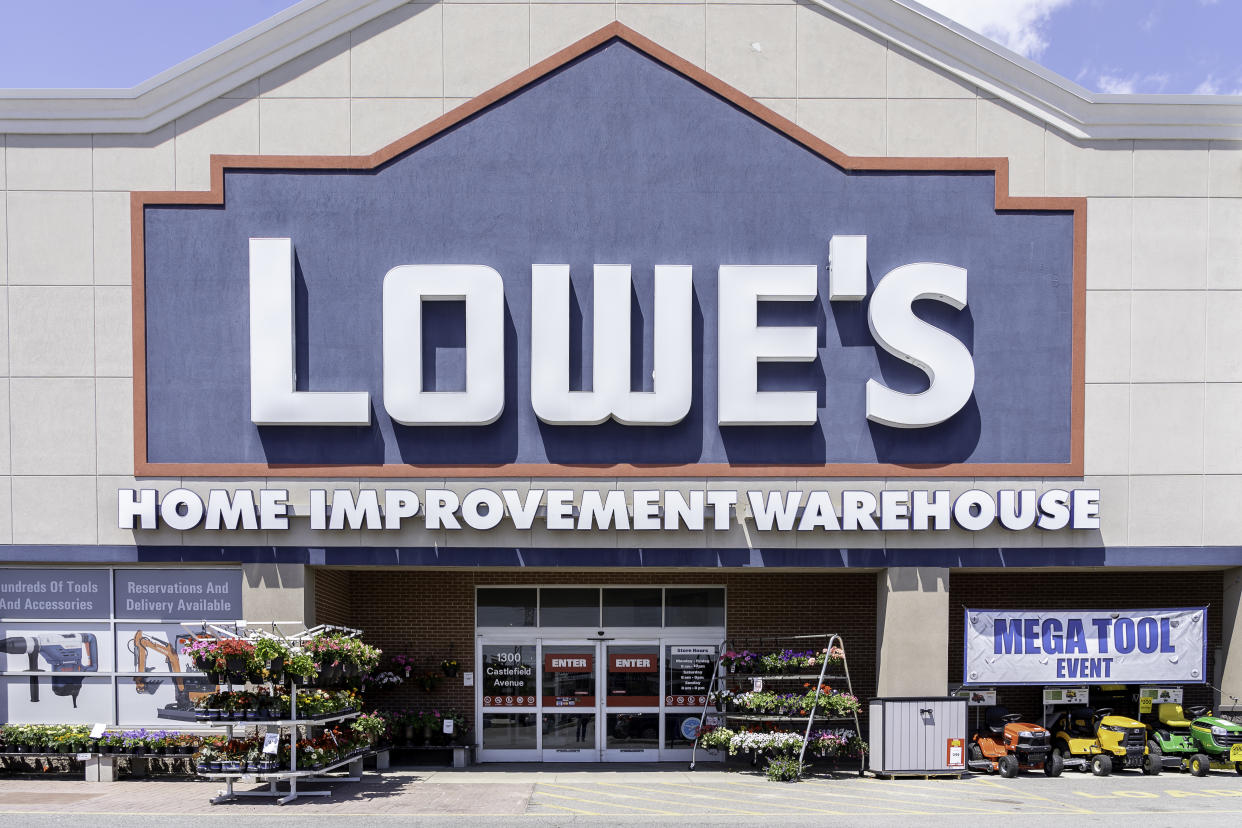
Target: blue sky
<point>1147,46</point>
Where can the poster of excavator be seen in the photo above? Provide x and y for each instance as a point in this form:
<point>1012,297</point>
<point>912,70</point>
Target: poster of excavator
<point>61,667</point>
<point>168,684</point>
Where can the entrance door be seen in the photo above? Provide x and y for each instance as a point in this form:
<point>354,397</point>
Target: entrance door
<point>569,720</point>
<point>631,714</point>
<point>561,699</point>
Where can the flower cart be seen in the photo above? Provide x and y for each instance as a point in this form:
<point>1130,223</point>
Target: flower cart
<point>770,694</point>
<point>304,735</point>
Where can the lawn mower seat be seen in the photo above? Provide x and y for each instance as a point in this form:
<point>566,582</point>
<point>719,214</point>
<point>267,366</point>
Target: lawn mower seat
<point>1081,722</point>
<point>1171,715</point>
<point>994,718</point>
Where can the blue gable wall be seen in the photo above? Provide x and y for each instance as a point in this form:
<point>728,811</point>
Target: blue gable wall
<point>613,158</point>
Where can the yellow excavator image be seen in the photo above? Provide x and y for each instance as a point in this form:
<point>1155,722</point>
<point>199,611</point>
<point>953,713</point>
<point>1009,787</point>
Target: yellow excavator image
<point>188,690</point>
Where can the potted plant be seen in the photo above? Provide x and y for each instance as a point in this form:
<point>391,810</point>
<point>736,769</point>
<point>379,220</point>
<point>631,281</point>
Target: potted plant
<point>369,726</point>
<point>300,668</point>
<point>270,654</point>
<point>449,666</point>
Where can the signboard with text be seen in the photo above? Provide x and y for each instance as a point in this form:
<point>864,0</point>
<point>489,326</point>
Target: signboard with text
<point>1076,647</point>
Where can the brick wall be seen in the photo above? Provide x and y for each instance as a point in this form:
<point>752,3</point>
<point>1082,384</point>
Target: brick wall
<point>1082,590</point>
<point>430,614</point>
<point>332,596</point>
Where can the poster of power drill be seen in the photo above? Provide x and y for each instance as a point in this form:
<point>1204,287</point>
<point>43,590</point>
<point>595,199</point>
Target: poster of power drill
<point>168,685</point>
<point>62,682</point>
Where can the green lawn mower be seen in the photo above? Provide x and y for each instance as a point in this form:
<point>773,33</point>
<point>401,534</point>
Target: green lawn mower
<point>1198,744</point>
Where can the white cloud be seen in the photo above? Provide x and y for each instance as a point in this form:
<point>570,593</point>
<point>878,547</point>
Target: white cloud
<point>1152,83</point>
<point>1209,86</point>
<point>1016,24</point>
<point>1117,85</point>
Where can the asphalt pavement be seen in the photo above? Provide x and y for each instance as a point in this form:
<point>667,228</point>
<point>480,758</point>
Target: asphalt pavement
<point>663,794</point>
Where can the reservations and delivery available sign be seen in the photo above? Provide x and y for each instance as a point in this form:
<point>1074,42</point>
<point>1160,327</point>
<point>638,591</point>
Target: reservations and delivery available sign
<point>1076,647</point>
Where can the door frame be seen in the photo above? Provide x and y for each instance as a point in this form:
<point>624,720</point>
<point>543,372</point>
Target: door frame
<point>631,754</point>
<point>661,638</point>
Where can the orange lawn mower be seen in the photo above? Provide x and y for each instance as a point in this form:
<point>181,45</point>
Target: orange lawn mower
<point>1006,745</point>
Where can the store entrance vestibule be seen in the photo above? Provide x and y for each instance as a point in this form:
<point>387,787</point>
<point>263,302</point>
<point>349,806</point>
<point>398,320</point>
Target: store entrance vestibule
<point>593,674</point>
<point>564,700</point>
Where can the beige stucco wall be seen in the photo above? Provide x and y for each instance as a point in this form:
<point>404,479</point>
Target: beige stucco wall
<point>1163,440</point>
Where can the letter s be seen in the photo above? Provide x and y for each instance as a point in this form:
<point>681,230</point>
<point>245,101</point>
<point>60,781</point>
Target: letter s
<point>944,359</point>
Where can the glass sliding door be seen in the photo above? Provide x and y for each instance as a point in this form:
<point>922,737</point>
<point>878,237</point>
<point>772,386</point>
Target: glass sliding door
<point>632,701</point>
<point>687,681</point>
<point>569,718</point>
<point>509,712</point>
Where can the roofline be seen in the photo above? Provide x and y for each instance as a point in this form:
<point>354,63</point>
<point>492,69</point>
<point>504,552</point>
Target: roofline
<point>1054,99</point>
<point>175,92</point>
<point>1059,102</point>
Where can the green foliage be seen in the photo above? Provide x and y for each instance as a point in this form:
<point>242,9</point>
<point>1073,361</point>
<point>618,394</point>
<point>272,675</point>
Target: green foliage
<point>783,769</point>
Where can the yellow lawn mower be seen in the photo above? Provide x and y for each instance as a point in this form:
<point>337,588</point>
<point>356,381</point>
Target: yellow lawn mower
<point>1106,741</point>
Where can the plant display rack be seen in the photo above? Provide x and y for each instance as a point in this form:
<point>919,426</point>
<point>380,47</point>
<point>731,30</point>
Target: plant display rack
<point>724,682</point>
<point>292,776</point>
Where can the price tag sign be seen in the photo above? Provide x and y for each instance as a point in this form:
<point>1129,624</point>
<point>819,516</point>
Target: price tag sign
<point>84,756</point>
<point>271,742</point>
<point>1235,753</point>
<point>467,679</point>
<point>757,683</point>
<point>955,753</point>
<point>98,730</point>
<point>449,724</point>
<point>1145,705</point>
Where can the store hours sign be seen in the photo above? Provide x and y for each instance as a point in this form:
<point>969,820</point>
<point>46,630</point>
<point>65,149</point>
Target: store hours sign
<point>1073,647</point>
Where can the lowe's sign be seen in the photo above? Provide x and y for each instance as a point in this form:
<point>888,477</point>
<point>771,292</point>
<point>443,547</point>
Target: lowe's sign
<point>618,268</point>
<point>1074,647</point>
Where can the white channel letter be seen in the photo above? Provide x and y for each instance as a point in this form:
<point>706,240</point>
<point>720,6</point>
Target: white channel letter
<point>274,399</point>
<point>668,402</point>
<point>742,344</point>
<point>937,353</point>
<point>405,289</point>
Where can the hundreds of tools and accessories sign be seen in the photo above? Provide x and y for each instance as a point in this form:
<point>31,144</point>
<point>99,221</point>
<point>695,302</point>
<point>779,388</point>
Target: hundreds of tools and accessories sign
<point>696,510</point>
<point>1086,646</point>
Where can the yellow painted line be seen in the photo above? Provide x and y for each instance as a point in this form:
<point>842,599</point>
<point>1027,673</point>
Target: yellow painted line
<point>597,802</point>
<point>618,795</point>
<point>566,808</point>
<point>770,791</point>
<point>1010,790</point>
<point>835,796</point>
<point>682,796</point>
<point>933,799</point>
<point>765,803</point>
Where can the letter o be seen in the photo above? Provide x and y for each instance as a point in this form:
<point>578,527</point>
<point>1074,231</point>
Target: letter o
<point>963,510</point>
<point>1123,635</point>
<point>170,509</point>
<point>470,509</point>
<point>1148,635</point>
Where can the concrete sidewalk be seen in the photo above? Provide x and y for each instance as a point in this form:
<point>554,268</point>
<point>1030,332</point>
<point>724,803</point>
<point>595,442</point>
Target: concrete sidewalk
<point>550,794</point>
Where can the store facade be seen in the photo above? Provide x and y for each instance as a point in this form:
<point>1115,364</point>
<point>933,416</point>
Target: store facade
<point>566,363</point>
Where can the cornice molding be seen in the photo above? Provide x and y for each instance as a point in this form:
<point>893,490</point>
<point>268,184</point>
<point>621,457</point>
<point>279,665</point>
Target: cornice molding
<point>996,71</point>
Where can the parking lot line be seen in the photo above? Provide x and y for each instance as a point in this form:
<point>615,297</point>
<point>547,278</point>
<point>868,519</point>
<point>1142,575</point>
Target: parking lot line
<point>767,787</point>
<point>565,808</point>
<point>899,789</point>
<point>647,789</point>
<point>1011,790</point>
<point>596,801</point>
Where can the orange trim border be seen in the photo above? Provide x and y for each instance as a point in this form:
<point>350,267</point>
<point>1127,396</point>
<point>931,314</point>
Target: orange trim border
<point>618,31</point>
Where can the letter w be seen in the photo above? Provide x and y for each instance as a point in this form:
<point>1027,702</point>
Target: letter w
<point>611,395</point>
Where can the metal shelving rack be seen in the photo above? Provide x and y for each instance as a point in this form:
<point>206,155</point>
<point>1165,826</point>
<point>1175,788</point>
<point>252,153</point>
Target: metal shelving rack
<point>722,678</point>
<point>292,775</point>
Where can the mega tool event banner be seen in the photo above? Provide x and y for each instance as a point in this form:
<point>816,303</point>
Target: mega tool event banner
<point>1085,646</point>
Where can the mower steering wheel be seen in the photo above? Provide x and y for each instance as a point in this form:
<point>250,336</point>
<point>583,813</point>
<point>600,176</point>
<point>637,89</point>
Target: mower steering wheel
<point>1196,712</point>
<point>1100,713</point>
<point>1013,717</point>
